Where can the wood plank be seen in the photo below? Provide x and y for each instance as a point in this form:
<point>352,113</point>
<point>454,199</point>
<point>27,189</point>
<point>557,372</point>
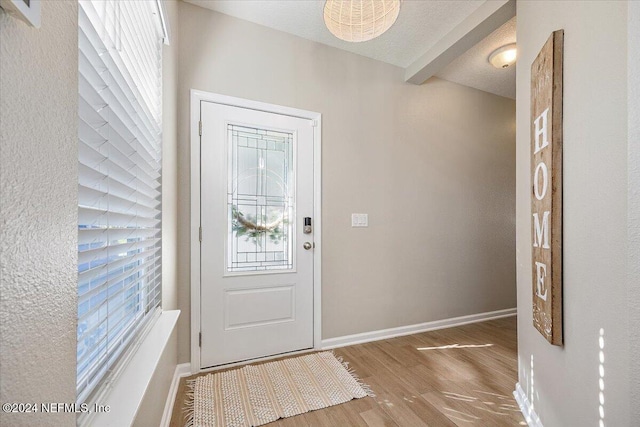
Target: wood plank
<point>375,418</point>
<point>480,406</point>
<point>454,386</point>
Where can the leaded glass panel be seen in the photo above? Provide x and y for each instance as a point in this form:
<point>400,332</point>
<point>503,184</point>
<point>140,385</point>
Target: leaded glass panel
<point>260,200</point>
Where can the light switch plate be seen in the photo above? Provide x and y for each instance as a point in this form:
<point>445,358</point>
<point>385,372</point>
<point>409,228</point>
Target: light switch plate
<point>359,220</point>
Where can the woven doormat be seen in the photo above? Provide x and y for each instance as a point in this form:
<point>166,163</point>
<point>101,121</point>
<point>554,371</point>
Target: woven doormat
<point>259,394</point>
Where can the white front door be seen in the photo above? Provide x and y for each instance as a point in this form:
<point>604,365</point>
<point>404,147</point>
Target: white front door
<point>256,296</point>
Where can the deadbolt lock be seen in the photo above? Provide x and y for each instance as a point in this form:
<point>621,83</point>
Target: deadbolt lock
<point>307,225</point>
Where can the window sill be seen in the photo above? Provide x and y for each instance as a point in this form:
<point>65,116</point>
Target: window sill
<point>128,390</point>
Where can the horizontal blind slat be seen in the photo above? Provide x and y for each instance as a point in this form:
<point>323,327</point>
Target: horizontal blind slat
<point>114,295</point>
<point>101,199</point>
<point>95,272</point>
<point>104,301</point>
<point>119,173</point>
<point>113,146</point>
<point>101,353</point>
<point>97,94</point>
<point>87,236</point>
<point>92,163</point>
<point>115,249</point>
<point>88,15</point>
<point>107,186</point>
<point>105,284</point>
<point>101,218</point>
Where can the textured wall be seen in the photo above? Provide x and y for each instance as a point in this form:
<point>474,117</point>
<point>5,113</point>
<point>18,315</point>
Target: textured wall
<point>565,380</point>
<point>38,211</point>
<point>633,23</point>
<point>432,165</point>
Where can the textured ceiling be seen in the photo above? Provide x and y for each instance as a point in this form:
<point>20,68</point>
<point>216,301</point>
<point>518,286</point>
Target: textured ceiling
<point>472,68</point>
<point>420,25</point>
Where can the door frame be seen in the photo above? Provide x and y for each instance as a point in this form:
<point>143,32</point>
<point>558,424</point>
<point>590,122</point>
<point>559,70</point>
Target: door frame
<point>198,96</point>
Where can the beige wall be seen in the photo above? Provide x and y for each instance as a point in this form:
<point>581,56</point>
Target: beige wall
<point>432,165</point>
<point>38,213</point>
<point>633,197</point>
<point>565,379</point>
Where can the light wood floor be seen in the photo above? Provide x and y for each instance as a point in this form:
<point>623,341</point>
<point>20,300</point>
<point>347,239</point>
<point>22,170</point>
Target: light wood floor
<point>460,376</point>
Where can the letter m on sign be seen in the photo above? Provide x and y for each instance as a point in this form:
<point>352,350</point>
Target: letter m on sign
<point>546,189</point>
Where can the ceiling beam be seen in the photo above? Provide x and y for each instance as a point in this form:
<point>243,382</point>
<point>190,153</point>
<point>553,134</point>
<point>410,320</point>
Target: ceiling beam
<point>482,22</point>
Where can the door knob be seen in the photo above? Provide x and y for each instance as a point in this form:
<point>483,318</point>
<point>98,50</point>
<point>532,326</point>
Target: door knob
<point>307,245</point>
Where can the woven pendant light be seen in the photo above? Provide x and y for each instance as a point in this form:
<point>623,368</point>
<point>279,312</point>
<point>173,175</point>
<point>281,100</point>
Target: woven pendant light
<point>360,20</point>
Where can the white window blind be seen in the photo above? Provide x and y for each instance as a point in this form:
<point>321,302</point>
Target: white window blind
<point>119,188</point>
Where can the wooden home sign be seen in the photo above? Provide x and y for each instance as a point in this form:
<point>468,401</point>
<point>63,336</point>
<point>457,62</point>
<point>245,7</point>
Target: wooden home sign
<point>546,189</point>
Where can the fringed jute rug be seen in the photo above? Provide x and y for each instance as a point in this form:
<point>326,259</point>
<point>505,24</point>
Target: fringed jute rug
<point>259,394</point>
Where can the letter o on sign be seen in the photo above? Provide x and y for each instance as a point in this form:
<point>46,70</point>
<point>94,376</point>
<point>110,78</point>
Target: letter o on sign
<point>536,180</point>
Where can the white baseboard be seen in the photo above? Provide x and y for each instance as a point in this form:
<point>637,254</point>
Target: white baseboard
<point>182,370</point>
<point>414,329</point>
<point>526,408</point>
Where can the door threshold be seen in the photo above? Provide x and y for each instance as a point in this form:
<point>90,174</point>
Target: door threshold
<point>257,359</point>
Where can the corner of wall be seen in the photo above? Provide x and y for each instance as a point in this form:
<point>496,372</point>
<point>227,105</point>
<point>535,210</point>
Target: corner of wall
<point>526,407</point>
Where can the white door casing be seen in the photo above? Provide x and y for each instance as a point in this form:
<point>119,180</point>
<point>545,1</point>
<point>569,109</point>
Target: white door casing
<point>250,307</point>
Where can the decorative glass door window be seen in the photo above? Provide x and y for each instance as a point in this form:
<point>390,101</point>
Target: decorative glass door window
<point>260,200</point>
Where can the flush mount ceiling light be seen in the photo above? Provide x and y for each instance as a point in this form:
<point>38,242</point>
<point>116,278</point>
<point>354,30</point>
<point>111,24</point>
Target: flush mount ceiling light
<point>504,57</point>
<point>360,20</point>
